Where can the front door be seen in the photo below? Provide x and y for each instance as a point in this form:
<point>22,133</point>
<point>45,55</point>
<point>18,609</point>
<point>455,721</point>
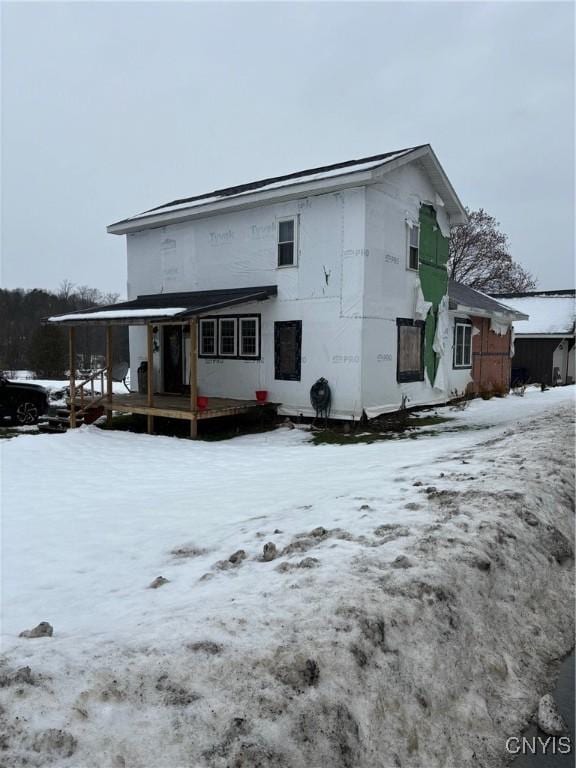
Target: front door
<point>173,361</point>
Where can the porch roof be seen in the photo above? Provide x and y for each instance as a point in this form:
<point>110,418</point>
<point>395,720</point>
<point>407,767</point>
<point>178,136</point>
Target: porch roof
<point>162,307</point>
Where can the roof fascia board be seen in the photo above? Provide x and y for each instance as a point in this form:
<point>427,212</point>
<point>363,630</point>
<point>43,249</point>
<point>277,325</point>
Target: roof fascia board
<point>457,211</point>
<point>243,201</point>
<point>520,335</point>
<point>458,203</point>
<point>110,321</point>
<point>477,312</point>
<point>408,157</point>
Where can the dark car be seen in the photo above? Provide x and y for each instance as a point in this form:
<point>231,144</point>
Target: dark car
<point>22,403</point>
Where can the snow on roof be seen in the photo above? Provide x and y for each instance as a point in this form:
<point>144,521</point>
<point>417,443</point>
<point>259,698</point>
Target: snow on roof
<point>185,305</point>
<point>548,314</point>
<point>276,182</point>
<point>116,314</point>
<point>314,174</point>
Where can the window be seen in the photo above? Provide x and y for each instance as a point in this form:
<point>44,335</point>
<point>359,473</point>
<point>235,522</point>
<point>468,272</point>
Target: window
<point>462,343</point>
<point>410,364</point>
<point>287,242</point>
<point>413,246</point>
<point>249,337</point>
<point>207,338</point>
<point>288,350</point>
<point>227,337</point>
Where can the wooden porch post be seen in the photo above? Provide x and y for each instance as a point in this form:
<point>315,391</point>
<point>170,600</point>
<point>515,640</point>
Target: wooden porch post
<point>109,372</point>
<point>72,362</point>
<point>193,377</point>
<point>150,379</point>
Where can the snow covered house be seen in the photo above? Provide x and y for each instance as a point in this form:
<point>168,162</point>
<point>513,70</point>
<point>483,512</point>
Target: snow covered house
<point>544,345</point>
<point>336,272</point>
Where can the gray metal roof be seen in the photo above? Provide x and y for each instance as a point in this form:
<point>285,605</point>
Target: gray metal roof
<point>461,295</point>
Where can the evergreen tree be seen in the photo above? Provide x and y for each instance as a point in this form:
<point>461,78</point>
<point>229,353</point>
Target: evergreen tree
<point>47,353</point>
<point>21,314</point>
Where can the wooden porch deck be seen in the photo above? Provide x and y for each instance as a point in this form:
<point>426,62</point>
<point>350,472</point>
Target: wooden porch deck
<point>86,397</point>
<point>177,406</point>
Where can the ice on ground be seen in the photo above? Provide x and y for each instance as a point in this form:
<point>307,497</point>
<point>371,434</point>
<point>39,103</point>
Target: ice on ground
<point>436,589</point>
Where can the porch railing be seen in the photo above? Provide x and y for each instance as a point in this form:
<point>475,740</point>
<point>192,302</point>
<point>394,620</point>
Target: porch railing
<point>88,399</point>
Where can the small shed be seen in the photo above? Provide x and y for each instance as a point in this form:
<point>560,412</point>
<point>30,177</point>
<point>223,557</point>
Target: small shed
<point>544,345</point>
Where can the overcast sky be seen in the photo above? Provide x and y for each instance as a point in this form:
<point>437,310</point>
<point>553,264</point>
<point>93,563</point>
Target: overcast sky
<point>112,108</point>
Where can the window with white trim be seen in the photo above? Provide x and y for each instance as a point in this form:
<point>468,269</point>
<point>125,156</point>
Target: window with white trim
<point>287,242</point>
<point>227,346</point>
<point>230,336</point>
<point>207,346</point>
<point>413,240</point>
<point>462,343</point>
<point>249,337</point>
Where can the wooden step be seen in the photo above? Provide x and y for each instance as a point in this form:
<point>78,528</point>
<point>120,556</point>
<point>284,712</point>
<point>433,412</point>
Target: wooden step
<point>45,426</point>
<point>62,421</point>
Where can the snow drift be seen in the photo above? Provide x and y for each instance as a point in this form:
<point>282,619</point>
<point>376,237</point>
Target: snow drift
<point>412,627</point>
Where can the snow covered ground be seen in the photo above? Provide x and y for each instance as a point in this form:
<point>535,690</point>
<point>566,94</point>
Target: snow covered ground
<point>59,385</point>
<point>423,588</point>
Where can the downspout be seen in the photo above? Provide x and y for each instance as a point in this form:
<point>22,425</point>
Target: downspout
<point>482,335</point>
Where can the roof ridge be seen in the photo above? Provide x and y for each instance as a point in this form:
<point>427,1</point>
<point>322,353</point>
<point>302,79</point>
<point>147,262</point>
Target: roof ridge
<point>236,189</point>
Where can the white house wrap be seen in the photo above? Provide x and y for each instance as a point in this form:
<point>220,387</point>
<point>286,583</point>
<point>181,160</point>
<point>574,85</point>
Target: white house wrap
<point>336,273</point>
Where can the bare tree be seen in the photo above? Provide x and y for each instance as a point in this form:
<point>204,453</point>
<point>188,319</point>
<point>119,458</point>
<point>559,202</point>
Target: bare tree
<point>480,257</point>
<point>109,298</point>
<point>87,297</point>
<point>65,289</point>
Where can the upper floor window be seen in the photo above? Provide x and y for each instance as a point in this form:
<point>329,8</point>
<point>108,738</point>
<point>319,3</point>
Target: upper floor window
<point>462,343</point>
<point>413,246</point>
<point>287,242</point>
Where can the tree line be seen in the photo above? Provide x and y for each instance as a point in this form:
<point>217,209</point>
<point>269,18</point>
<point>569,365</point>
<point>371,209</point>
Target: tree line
<point>26,344</point>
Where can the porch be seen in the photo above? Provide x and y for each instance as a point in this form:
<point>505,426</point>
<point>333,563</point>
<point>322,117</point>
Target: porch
<point>173,406</point>
<point>180,311</point>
